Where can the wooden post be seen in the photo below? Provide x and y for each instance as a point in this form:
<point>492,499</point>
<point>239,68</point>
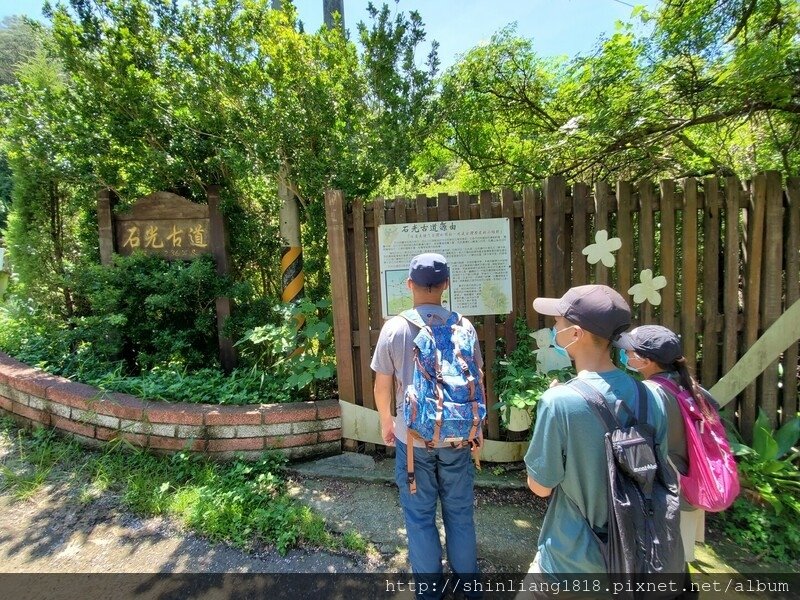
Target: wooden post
<point>531,243</point>
<point>218,236</point>
<point>711,281</point>
<point>668,246</point>
<point>792,253</point>
<point>507,196</point>
<point>646,241</point>
<point>602,200</point>
<point>554,225</point>
<point>340,294</point>
<point>752,306</point>
<point>362,308</point>
<point>489,340</point>
<point>730,295</point>
<point>772,286</point>
<point>689,273</point>
<point>580,218</point>
<point>106,199</point>
<point>625,234</point>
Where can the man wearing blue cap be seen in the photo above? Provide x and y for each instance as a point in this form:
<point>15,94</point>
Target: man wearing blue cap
<point>442,472</point>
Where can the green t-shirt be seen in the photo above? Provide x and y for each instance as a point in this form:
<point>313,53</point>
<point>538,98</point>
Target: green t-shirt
<point>567,453</point>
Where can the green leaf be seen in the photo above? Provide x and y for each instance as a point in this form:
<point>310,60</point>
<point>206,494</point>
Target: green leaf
<point>787,436</point>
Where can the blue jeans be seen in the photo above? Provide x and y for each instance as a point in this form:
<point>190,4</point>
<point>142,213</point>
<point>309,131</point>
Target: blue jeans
<point>445,473</point>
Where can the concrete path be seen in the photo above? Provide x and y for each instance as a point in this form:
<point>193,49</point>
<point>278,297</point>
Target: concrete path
<point>356,492</point>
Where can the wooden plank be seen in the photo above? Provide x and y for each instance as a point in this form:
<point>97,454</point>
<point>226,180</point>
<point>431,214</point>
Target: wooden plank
<point>443,207</point>
<point>340,294</point>
<point>752,306</point>
<point>772,285</point>
<point>624,233</point>
<point>376,315</point>
<point>165,206</point>
<point>580,223</point>
<point>400,210</point>
<point>792,254</point>
<point>668,246</point>
<point>422,208</point>
<point>730,285</point>
<point>463,206</point>
<point>647,258</point>
<point>602,204</point>
<point>689,272</point>
<point>220,250</point>
<point>507,198</point>
<point>362,309</point>
<point>490,337</point>
<point>531,250</point>
<point>711,281</point>
<point>554,225</point>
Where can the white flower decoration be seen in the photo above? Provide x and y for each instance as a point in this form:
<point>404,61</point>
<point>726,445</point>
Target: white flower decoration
<point>602,248</point>
<point>648,288</point>
<point>547,359</point>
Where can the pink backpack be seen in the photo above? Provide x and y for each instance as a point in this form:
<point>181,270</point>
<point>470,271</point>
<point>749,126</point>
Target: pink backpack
<point>712,482</point>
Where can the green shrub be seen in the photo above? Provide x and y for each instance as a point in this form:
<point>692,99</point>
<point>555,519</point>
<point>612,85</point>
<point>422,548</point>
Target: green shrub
<point>147,311</point>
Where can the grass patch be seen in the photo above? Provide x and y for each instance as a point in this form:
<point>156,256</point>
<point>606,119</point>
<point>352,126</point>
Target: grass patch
<point>241,502</point>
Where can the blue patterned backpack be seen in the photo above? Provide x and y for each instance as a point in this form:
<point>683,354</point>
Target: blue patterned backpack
<point>446,403</point>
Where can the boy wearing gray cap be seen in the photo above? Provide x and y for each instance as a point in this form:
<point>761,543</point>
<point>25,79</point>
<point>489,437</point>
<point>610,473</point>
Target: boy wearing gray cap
<point>566,456</point>
<point>442,472</point>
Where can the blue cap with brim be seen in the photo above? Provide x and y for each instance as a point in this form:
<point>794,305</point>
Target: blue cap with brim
<point>428,269</point>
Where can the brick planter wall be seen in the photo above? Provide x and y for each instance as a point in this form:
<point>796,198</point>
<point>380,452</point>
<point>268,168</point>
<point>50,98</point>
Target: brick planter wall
<point>94,417</point>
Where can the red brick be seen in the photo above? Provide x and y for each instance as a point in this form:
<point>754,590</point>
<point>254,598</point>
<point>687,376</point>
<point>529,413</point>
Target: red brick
<point>123,406</point>
<point>289,441</point>
<point>6,403</point>
<point>106,434</point>
<point>167,443</point>
<point>76,395</point>
<point>69,425</point>
<point>3,377</point>
<point>32,414</point>
<point>233,415</point>
<point>331,435</point>
<point>328,409</point>
<point>175,414</point>
<point>233,444</point>
<point>34,382</point>
<point>137,439</point>
<point>289,413</point>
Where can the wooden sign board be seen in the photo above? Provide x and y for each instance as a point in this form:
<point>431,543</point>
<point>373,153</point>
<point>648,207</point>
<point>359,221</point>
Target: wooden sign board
<point>164,224</point>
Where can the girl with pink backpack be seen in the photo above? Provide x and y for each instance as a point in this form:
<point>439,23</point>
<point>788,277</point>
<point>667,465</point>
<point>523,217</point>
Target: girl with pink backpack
<point>697,444</point>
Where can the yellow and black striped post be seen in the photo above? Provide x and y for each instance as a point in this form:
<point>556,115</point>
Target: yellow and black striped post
<point>292,273</point>
<point>292,278</point>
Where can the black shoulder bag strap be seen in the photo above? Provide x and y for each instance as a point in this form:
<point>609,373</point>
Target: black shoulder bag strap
<point>599,404</point>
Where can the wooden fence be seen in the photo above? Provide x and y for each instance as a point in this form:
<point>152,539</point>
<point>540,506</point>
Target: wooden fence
<point>730,253</point>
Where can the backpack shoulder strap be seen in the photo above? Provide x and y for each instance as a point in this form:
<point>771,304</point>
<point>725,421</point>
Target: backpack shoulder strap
<point>596,401</point>
<point>413,317</point>
<point>641,412</point>
<point>667,383</point>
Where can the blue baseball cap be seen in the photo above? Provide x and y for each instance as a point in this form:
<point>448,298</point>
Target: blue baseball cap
<point>428,269</point>
<point>654,342</point>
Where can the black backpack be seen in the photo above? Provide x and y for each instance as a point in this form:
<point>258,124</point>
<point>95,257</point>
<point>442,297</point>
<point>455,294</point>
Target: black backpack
<point>643,545</point>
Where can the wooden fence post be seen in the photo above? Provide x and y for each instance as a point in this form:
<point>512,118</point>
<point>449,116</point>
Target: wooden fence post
<point>580,218</point>
<point>602,200</point>
<point>668,248</point>
<point>772,285</point>
<point>554,225</point>
<point>531,241</point>
<point>624,233</point>
<point>752,305</point>
<point>711,287</point>
<point>340,294</point>
<point>489,337</point>
<point>792,253</point>
<point>689,272</point>
<point>647,258</point>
